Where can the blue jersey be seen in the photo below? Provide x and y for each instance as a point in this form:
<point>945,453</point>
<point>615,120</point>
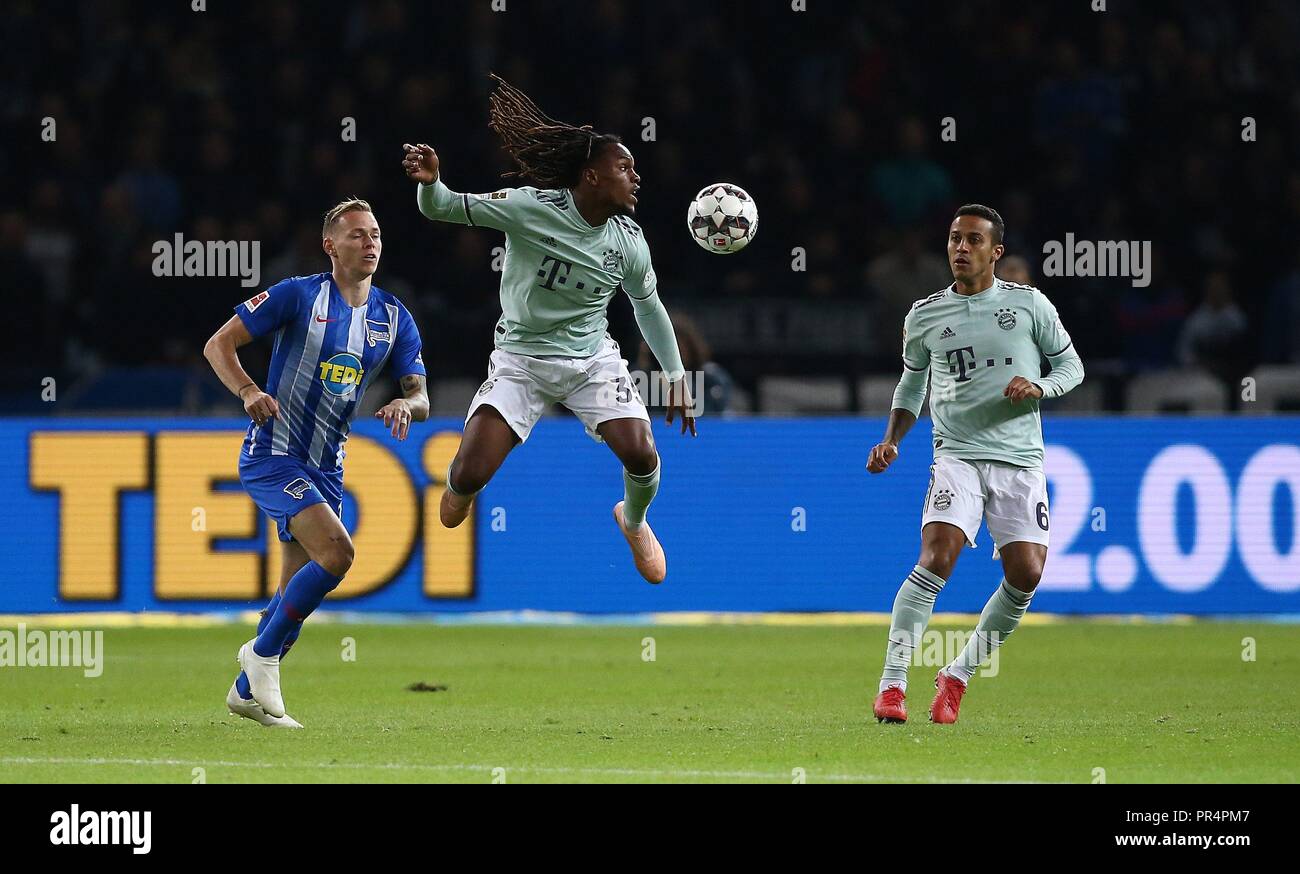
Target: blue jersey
<point>326,355</point>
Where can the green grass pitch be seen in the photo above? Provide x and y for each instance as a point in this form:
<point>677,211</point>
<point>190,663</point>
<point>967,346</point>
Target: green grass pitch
<point>1144,702</point>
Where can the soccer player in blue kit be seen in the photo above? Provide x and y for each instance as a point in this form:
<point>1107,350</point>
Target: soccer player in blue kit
<point>334,332</point>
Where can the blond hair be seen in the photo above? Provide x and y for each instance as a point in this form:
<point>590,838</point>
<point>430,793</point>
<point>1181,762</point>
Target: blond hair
<point>352,204</point>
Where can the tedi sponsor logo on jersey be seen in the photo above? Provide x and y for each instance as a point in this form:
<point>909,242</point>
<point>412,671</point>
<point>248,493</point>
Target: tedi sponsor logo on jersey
<point>1102,258</point>
<point>181,257</point>
<point>75,827</point>
<point>341,374</point>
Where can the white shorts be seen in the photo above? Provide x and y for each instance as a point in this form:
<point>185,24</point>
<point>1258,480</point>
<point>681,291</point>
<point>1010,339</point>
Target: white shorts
<point>1013,499</point>
<point>596,389</point>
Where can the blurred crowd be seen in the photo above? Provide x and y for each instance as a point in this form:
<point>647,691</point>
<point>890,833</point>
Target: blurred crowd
<point>228,124</point>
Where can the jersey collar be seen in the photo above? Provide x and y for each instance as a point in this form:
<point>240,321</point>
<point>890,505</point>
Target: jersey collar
<point>952,291</point>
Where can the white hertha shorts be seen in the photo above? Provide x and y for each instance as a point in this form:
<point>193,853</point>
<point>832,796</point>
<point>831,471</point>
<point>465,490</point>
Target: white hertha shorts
<point>597,389</point>
<point>1013,499</point>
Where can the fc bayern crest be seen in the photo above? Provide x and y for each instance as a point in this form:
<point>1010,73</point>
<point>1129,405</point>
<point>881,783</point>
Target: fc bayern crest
<point>613,260</point>
<point>943,500</point>
<point>1006,319</point>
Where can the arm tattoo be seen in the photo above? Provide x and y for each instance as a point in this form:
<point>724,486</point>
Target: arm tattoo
<point>412,384</point>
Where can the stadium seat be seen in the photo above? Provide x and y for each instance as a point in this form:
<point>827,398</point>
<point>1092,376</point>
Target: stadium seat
<point>1277,389</point>
<point>1180,390</point>
<point>809,394</point>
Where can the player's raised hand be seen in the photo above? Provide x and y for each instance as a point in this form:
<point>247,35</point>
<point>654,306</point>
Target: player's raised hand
<point>421,163</point>
<point>882,456</point>
<point>260,406</point>
<point>679,400</point>
<point>1020,388</point>
<point>397,417</point>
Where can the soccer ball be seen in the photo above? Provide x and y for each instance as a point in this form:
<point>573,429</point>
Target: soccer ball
<point>723,218</point>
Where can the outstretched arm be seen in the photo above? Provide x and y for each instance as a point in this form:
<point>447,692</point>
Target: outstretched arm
<point>436,201</point>
<point>503,210</point>
<point>413,405</point>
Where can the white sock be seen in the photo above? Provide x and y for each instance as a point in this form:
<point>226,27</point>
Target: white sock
<point>912,608</point>
<point>1000,617</point>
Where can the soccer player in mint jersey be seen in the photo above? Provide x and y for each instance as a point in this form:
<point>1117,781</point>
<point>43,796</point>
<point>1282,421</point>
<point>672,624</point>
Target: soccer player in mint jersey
<point>334,332</point>
<point>978,342</point>
<point>571,244</point>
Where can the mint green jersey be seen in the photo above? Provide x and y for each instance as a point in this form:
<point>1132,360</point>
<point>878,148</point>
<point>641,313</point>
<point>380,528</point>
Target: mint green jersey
<point>559,272</point>
<point>971,346</point>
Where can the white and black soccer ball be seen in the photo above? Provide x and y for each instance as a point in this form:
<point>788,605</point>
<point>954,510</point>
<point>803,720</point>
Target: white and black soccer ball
<point>723,218</point>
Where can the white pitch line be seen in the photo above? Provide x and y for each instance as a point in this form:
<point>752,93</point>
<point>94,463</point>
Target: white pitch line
<point>487,769</point>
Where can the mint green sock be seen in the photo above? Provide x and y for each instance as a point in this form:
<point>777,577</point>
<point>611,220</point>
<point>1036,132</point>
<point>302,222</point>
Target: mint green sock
<point>912,608</point>
<point>638,492</point>
<point>1000,617</point>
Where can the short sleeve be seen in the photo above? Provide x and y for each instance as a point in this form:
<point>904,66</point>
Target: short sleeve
<point>407,358</point>
<point>1050,334</point>
<point>639,280</point>
<point>915,354</point>
<point>270,310</point>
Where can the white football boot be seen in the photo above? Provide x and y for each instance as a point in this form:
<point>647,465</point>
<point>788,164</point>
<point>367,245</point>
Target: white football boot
<point>250,709</point>
<point>263,678</point>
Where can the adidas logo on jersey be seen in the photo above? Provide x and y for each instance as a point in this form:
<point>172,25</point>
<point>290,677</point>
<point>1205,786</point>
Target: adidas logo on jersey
<point>947,334</point>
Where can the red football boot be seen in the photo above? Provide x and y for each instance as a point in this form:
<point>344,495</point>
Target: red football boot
<point>890,706</point>
<point>947,701</point>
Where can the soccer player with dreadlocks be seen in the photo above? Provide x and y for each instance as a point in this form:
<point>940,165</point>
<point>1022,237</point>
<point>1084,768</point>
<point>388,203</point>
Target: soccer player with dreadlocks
<point>571,244</point>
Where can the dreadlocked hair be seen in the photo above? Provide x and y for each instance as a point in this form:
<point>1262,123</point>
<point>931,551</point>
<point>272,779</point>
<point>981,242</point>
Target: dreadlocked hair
<point>551,153</point>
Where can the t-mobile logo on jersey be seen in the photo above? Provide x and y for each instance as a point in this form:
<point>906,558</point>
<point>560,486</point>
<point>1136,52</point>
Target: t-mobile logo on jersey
<point>962,361</point>
<point>549,278</point>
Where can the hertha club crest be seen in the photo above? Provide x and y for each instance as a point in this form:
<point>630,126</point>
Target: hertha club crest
<point>1006,319</point>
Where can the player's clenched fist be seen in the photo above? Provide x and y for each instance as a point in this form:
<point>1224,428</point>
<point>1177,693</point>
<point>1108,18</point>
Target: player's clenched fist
<point>421,163</point>
<point>882,456</point>
<point>259,405</point>
<point>1020,388</point>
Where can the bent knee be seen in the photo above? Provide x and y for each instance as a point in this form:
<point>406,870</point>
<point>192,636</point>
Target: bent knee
<point>937,563</point>
<point>940,558</point>
<point>467,477</point>
<point>337,558</point>
<point>1025,579</point>
<point>641,458</point>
